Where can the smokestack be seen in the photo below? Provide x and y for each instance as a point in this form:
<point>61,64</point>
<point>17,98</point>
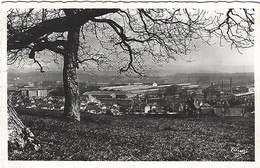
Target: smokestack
<point>231,85</point>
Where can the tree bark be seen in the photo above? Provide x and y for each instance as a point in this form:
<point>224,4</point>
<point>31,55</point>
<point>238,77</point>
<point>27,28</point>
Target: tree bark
<point>19,136</point>
<point>70,81</point>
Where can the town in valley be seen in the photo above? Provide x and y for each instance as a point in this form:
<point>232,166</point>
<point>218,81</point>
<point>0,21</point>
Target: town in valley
<point>186,95</point>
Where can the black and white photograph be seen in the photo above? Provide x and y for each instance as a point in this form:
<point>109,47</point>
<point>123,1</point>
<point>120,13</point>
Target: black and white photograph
<point>107,82</point>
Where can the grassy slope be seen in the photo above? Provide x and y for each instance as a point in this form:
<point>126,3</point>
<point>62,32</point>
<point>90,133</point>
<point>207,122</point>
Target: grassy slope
<point>138,138</point>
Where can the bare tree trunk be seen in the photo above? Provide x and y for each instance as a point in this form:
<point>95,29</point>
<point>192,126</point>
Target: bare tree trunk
<point>19,136</point>
<point>71,89</point>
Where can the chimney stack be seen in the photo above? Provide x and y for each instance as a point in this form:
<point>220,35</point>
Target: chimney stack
<point>230,85</point>
<point>222,86</point>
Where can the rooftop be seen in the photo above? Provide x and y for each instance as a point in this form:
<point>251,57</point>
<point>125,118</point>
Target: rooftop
<point>105,92</point>
<point>133,87</point>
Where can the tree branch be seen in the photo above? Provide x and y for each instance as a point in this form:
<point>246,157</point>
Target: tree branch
<point>19,40</point>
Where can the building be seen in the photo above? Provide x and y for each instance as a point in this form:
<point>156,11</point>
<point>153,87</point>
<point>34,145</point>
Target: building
<point>34,92</point>
<point>105,94</point>
<point>12,90</point>
<point>151,108</point>
<point>183,85</point>
<point>110,98</point>
<point>155,84</point>
<point>212,90</point>
<point>240,89</point>
<point>252,89</point>
<point>31,84</point>
<point>137,89</point>
<point>42,92</point>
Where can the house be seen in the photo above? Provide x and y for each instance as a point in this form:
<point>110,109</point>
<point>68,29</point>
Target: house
<point>92,108</point>
<point>240,89</point>
<point>115,110</point>
<point>152,108</point>
<point>155,84</point>
<point>252,89</point>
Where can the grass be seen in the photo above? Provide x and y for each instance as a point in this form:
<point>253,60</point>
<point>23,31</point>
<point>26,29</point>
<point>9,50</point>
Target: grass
<point>116,138</point>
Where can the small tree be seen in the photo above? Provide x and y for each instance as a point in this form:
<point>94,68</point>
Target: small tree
<point>171,90</point>
<point>125,35</point>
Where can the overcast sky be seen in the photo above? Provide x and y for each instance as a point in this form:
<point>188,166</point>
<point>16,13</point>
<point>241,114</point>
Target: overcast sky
<point>212,59</point>
<point>209,59</point>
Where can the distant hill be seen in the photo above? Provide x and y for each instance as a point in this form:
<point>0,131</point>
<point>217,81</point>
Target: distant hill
<point>204,78</point>
<point>194,78</point>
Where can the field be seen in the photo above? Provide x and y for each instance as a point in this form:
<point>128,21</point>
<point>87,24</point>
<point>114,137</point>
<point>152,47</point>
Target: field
<point>133,138</point>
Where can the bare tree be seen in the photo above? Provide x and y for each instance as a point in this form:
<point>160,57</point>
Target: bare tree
<point>130,35</point>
